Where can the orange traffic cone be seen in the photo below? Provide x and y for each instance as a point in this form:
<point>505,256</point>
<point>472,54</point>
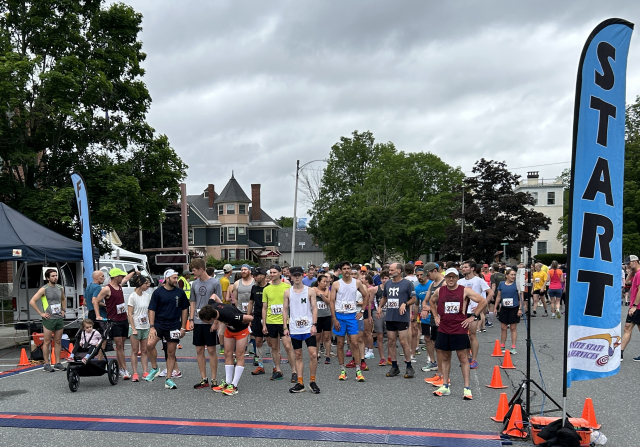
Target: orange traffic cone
<point>70,349</point>
<point>589,414</point>
<point>506,362</point>
<point>515,427</point>
<point>497,352</point>
<point>53,357</point>
<point>496,379</point>
<point>503,408</point>
<point>24,360</point>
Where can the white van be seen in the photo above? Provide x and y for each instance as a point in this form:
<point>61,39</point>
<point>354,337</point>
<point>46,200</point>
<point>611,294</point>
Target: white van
<point>107,264</point>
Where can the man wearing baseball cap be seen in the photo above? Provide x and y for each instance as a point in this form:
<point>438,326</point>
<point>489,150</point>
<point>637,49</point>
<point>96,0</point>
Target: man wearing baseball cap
<point>633,316</point>
<point>117,312</point>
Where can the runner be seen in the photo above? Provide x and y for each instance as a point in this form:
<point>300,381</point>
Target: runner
<point>496,278</point>
<point>414,325</point>
<point>255,309</point>
<point>204,288</point>
<point>633,316</point>
<point>240,292</point>
<point>379,321</point>
<point>91,292</point>
<point>556,283</point>
<point>311,276</point>
<point>367,337</point>
<point>479,286</point>
<point>301,311</point>
<point>436,277</point>
<point>323,325</point>
<point>168,313</point>
<point>235,339</point>
<point>54,306</point>
<point>448,306</point>
<point>138,313</point>
<point>272,323</point>
<point>424,283</point>
<point>509,308</point>
<point>224,283</point>
<point>539,282</point>
<point>345,316</point>
<point>116,308</point>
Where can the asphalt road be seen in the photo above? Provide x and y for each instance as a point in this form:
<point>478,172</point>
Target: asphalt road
<point>380,401</point>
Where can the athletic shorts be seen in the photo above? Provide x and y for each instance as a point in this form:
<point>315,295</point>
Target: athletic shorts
<point>142,334</point>
<point>256,327</point>
<point>397,326</point>
<point>508,315</point>
<point>635,318</point>
<point>378,323</point>
<point>165,336</point>
<point>555,293</point>
<point>244,333</point>
<point>297,339</point>
<point>434,333</point>
<point>426,329</point>
<point>53,324</point>
<point>537,292</point>
<point>452,342</point>
<point>120,329</point>
<point>324,324</point>
<point>348,324</point>
<point>275,330</point>
<point>202,335</point>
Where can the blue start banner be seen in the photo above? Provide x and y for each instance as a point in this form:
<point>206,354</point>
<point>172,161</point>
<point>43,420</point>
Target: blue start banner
<point>595,207</point>
<point>85,226</point>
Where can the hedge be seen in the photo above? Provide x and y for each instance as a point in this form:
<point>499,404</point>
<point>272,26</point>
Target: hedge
<point>547,258</point>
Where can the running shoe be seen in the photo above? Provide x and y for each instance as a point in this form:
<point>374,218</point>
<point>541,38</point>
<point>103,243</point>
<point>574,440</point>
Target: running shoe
<point>176,375</point>
<point>221,351</point>
<point>423,348</point>
<point>389,362</point>
<point>277,375</point>
<point>170,384</point>
<point>484,330</point>
<point>48,368</point>
<point>135,378</point>
<point>258,371</point>
<point>435,378</point>
<point>409,373</point>
<point>427,367</point>
<point>214,383</point>
<point>220,388</point>
<point>327,361</point>
<point>502,347</point>
<point>467,394</point>
<point>152,374</point>
<point>179,346</point>
<point>553,315</point>
<point>363,366</point>
<point>636,359</point>
<point>297,388</point>
<point>488,324</point>
<point>439,382</point>
<point>545,314</point>
<point>558,315</point>
<point>351,364</point>
<point>343,375</point>
<point>442,391</point>
<point>394,371</point>
<point>163,373</point>
<point>383,362</point>
<point>513,350</point>
<point>204,383</point>
<point>534,314</point>
<point>60,367</point>
<point>369,355</point>
<point>413,359</point>
<point>416,353</point>
<point>314,388</point>
<point>359,376</point>
<point>294,378</point>
<point>473,365</point>
<point>349,353</point>
<point>121,373</point>
<point>145,375</point>
<point>230,390</point>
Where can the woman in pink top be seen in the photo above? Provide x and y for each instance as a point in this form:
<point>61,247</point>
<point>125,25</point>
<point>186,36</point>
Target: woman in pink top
<point>556,283</point>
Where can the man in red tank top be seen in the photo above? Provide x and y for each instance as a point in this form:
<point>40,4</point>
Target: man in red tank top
<point>448,307</point>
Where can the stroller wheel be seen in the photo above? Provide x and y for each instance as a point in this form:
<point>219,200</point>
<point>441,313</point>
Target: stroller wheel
<point>74,381</point>
<point>112,371</point>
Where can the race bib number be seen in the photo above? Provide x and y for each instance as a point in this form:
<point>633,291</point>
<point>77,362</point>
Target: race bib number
<point>321,305</point>
<point>141,319</point>
<point>55,308</point>
<point>348,306</point>
<point>276,309</point>
<point>121,308</point>
<point>245,306</point>
<point>537,280</point>
<point>301,322</point>
<point>452,307</point>
<point>175,335</point>
<point>508,302</point>
<point>393,303</point>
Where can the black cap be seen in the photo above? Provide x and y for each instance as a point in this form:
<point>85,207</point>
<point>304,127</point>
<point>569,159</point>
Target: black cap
<point>259,271</point>
<point>277,267</point>
<point>296,271</point>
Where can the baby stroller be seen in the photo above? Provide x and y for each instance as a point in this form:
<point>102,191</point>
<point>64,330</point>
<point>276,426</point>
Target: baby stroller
<point>93,367</point>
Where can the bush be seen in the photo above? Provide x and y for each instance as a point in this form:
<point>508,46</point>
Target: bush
<point>219,263</point>
<point>547,258</point>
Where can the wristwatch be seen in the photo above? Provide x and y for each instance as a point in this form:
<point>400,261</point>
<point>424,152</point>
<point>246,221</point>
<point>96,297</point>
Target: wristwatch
<point>151,325</point>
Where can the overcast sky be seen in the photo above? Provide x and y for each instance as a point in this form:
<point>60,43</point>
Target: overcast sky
<point>251,86</point>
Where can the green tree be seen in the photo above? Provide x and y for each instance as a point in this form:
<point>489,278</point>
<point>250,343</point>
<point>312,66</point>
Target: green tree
<point>285,222</point>
<point>494,213</point>
<point>563,231</point>
<point>73,99</point>
<point>631,198</point>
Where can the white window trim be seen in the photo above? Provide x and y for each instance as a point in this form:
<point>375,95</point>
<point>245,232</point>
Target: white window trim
<point>242,231</point>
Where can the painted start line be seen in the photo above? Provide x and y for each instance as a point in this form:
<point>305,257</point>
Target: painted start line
<point>250,429</point>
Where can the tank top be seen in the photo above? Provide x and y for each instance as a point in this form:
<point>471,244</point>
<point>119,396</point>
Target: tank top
<point>451,310</point>
<point>116,309</point>
<point>554,279</point>
<point>244,294</point>
<point>52,301</point>
<point>346,297</point>
<point>300,313</point>
<point>323,308</point>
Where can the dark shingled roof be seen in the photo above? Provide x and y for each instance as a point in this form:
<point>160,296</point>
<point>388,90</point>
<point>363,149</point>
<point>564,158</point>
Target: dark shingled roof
<point>284,236</point>
<point>201,203</point>
<point>232,193</point>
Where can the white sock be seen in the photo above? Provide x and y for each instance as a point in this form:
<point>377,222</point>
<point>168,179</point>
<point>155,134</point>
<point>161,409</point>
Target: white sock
<point>228,370</point>
<point>237,375</point>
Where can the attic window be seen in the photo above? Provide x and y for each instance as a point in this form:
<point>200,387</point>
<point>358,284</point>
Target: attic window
<point>205,194</point>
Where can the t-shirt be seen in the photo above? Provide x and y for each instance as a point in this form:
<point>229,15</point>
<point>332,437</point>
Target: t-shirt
<point>168,306</point>
<point>539,280</point>
<point>308,281</point>
<point>140,304</point>
<point>396,294</point>
<point>634,288</point>
<point>421,293</point>
<point>497,278</point>
<point>509,294</point>
<point>476,284</point>
<point>323,308</point>
<point>92,291</point>
<point>487,278</point>
<point>256,297</point>
<point>201,291</point>
<point>224,283</point>
<point>273,295</point>
<point>435,286</point>
<point>231,316</point>
<point>554,279</point>
<point>376,280</point>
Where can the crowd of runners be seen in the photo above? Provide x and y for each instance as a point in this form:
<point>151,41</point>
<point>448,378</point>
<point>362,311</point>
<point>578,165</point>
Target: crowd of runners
<point>434,309</point>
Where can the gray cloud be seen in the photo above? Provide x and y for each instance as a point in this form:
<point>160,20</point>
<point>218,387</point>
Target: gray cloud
<point>251,86</point>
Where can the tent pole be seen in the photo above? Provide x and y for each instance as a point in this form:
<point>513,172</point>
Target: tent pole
<point>26,294</point>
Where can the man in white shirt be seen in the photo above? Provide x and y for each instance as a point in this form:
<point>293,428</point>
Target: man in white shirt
<point>480,286</point>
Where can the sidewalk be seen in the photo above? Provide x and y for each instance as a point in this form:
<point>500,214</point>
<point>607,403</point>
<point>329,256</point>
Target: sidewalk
<point>9,337</point>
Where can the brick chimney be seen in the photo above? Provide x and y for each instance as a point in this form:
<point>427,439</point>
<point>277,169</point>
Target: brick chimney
<point>212,195</point>
<point>255,201</point>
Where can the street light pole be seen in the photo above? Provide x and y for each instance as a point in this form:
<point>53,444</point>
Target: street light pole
<point>462,224</point>
<point>295,209</point>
